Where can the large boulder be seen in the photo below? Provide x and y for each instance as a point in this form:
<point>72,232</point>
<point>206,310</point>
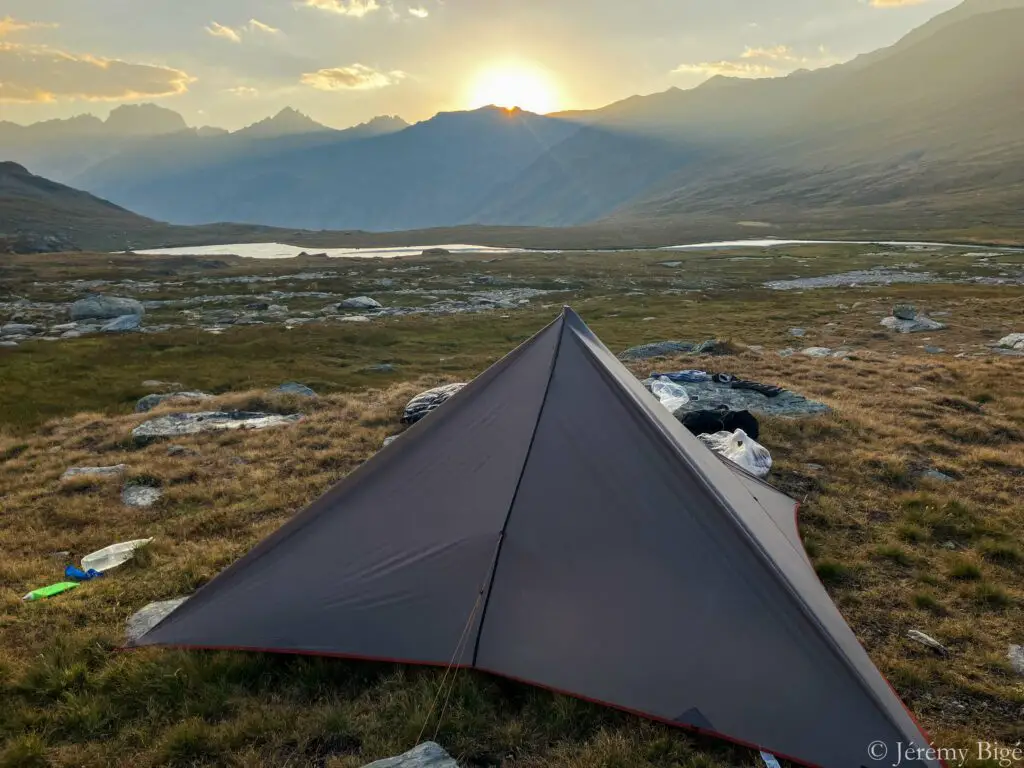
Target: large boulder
<point>117,469</point>
<point>360,302</point>
<point>18,329</point>
<point>177,424</point>
<point>144,619</point>
<point>425,402</point>
<point>1013,341</point>
<point>105,308</point>
<point>657,349</point>
<point>918,325</point>
<point>140,495</point>
<point>294,388</point>
<point>425,755</point>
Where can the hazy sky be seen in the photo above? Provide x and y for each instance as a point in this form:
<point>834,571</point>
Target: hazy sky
<point>232,62</point>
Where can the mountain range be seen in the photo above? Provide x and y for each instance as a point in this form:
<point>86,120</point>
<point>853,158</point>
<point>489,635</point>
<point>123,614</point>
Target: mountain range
<point>922,136</point>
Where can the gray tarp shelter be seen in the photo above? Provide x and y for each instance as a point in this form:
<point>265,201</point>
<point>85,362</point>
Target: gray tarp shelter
<point>553,524</point>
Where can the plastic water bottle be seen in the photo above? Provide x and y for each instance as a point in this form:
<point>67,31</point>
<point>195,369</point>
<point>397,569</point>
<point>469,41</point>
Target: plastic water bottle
<point>110,557</point>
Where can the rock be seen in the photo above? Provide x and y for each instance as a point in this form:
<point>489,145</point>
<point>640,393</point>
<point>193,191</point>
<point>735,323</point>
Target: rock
<point>360,302</point>
<point>18,329</point>
<point>917,325</point>
<point>105,308</point>
<point>787,352</point>
<point>905,311</point>
<point>140,495</point>
<point>175,424</point>
<point>425,402</point>
<point>258,306</point>
<point>814,467</point>
<point>117,469</point>
<point>389,440</point>
<point>355,319</point>
<point>1016,656</point>
<point>435,252</point>
<point>426,755</point>
<point>71,334</point>
<point>709,395</point>
<point>144,619</point>
<point>277,310</point>
<point>294,388</point>
<point>934,350</point>
<point>657,349</point>
<point>671,264</point>
<point>797,332</point>
<point>934,474</point>
<point>712,347</point>
<point>1013,341</point>
<point>817,352</point>
<point>8,344</point>
<point>951,545</point>
<point>122,323</point>
<point>180,450</point>
<point>149,402</point>
<point>920,637</point>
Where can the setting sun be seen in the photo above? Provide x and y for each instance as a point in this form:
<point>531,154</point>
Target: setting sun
<point>514,85</point>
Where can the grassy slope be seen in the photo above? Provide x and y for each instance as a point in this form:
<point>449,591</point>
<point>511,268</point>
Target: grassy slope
<point>879,536</point>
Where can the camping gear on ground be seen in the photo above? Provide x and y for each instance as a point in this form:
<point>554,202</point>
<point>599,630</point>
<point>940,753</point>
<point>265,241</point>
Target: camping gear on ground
<point>686,377</point>
<point>103,560</point>
<point>727,379</point>
<point>425,402</point>
<point>721,419</point>
<point>740,449</point>
<point>565,530</point>
<point>671,395</point>
<point>50,591</point>
<point>79,575</point>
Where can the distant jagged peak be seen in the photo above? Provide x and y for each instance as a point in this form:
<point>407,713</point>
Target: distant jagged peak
<point>286,122</point>
<point>144,120</point>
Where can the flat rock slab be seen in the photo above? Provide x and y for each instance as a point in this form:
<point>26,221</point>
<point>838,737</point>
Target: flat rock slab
<point>140,496</point>
<point>105,308</point>
<point>144,619</point>
<point>294,388</point>
<point>917,325</point>
<point>122,324</point>
<point>117,469</point>
<point>18,329</point>
<point>708,395</point>
<point>149,402</point>
<point>426,755</point>
<point>360,302</point>
<point>176,424</point>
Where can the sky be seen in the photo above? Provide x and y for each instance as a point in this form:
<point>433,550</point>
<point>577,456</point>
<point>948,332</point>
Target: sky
<point>230,63</point>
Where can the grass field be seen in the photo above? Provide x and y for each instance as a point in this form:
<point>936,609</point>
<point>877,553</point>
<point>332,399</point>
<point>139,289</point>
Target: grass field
<point>895,550</point>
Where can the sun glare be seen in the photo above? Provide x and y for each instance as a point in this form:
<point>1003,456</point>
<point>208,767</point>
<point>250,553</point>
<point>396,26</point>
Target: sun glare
<point>514,86</point>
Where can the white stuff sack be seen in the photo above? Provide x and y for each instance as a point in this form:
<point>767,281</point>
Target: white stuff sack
<point>740,449</point>
<point>671,395</point>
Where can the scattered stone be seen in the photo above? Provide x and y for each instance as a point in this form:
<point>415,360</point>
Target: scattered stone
<point>672,264</point>
<point>797,332</point>
<point>105,308</point>
<point>360,302</point>
<point>8,344</point>
<point>425,402</point>
<point>258,306</point>
<point>277,309</point>
<point>426,755</point>
<point>18,329</point>
<point>180,450</point>
<point>657,349</point>
<point>787,352</point>
<point>934,350</point>
<point>905,311</point>
<point>1016,656</point>
<point>817,352</point>
<point>1013,341</point>
<point>140,495</point>
<point>176,424</point>
<point>294,388</point>
<point>122,324</point>
<point>71,334</point>
<point>355,319</point>
<point>951,545</point>
<point>389,440</point>
<point>117,469</point>
<point>149,402</point>
<point>934,474</point>
<point>143,620</point>
<point>917,325</point>
<point>920,637</point>
<point>814,467</point>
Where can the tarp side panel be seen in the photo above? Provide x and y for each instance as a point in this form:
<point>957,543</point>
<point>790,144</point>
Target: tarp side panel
<point>388,564</point>
<point>622,579</point>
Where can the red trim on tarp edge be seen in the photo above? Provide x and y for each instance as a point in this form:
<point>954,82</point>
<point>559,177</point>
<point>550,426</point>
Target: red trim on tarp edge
<point>552,689</point>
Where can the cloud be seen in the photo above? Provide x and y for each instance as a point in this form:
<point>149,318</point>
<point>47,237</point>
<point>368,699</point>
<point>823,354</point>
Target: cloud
<point>9,25</point>
<point>778,53</point>
<point>356,8</point>
<point>727,68</point>
<point>419,13</point>
<point>244,90</point>
<point>256,25</point>
<point>41,74</point>
<point>355,77</point>
<point>219,30</point>
<point>894,3</point>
